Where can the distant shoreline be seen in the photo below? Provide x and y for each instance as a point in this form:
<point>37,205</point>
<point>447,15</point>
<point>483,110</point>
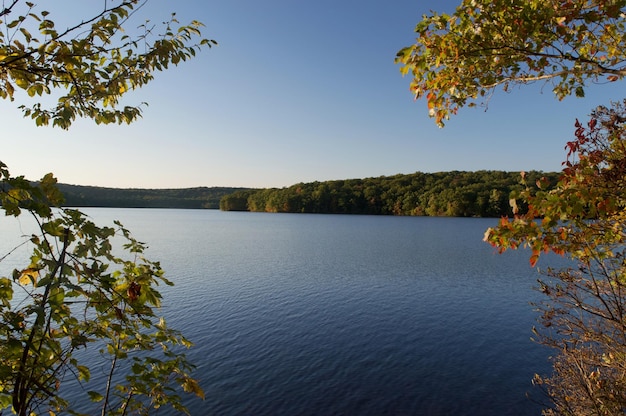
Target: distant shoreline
<point>450,194</point>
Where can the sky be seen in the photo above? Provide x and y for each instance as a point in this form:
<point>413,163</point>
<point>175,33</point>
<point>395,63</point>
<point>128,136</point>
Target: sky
<point>296,91</point>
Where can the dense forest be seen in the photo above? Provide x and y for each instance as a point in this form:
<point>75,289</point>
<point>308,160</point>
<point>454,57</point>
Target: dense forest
<point>191,198</point>
<point>458,194</point>
<point>455,193</point>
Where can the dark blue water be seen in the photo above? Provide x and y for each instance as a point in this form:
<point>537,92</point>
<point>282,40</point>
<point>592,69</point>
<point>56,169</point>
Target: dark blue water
<point>346,315</point>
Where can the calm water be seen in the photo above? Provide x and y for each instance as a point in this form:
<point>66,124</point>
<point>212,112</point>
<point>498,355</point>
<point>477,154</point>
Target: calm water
<point>296,314</point>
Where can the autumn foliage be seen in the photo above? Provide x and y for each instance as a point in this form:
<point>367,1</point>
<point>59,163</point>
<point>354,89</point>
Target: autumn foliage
<point>583,218</point>
<point>459,59</point>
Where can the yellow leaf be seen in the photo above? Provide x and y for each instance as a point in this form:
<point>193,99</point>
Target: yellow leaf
<point>22,82</point>
<point>191,386</point>
<point>29,276</point>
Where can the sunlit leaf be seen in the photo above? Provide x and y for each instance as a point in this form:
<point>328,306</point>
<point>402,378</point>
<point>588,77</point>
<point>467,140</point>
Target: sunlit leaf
<point>29,276</point>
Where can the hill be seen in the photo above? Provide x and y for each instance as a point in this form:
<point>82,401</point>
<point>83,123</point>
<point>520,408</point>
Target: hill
<point>190,198</point>
<point>455,193</point>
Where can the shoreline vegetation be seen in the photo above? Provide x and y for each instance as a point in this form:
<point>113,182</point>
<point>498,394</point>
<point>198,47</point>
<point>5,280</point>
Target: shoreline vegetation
<point>185,198</point>
<point>455,194</point>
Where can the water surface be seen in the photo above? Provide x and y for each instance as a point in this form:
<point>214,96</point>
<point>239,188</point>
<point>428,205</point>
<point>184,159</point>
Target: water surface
<point>297,314</point>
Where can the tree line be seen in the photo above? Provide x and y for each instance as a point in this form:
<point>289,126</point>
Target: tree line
<point>456,193</point>
<point>187,198</point>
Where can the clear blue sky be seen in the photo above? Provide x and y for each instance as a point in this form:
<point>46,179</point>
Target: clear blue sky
<point>296,91</point>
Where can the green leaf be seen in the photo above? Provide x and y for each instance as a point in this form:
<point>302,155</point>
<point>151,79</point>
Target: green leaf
<point>5,401</point>
<point>95,396</point>
<point>13,347</point>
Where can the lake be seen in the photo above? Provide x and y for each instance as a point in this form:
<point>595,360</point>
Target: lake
<point>304,314</point>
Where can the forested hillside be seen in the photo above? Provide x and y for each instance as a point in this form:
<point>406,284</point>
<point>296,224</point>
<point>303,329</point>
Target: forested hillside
<point>459,194</point>
<point>192,198</point>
